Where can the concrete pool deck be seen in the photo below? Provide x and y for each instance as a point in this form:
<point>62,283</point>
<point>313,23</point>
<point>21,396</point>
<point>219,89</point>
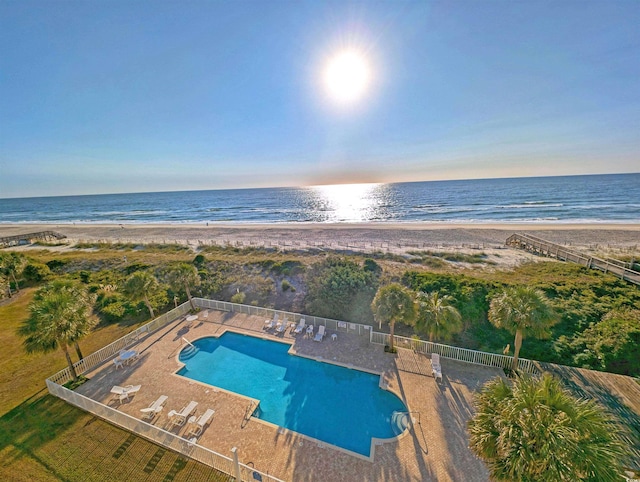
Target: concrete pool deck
<point>434,448</point>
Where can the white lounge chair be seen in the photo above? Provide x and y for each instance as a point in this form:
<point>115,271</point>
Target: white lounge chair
<point>271,323</point>
<point>154,409</point>
<point>124,392</point>
<point>320,335</point>
<point>300,326</point>
<point>179,418</point>
<point>436,369</point>
<point>201,422</point>
<point>281,326</point>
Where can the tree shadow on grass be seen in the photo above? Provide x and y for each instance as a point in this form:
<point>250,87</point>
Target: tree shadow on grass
<point>35,422</point>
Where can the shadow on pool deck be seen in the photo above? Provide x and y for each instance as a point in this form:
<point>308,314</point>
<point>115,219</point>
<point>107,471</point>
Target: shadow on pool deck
<point>434,448</point>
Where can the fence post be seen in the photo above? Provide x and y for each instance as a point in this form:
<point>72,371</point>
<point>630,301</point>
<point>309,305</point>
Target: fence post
<point>236,464</point>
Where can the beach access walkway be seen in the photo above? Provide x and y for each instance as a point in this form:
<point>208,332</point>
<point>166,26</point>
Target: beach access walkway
<point>20,239</point>
<point>541,247</point>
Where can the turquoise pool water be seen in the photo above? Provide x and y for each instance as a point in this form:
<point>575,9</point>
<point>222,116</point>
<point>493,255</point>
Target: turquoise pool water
<point>337,405</point>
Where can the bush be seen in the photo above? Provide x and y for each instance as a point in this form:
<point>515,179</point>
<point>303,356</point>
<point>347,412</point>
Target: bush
<point>36,272</point>
<point>286,286</point>
<point>342,289</point>
<point>114,311</point>
<point>85,276</point>
<point>199,260</point>
<point>56,265</point>
<point>613,343</point>
<point>238,298</point>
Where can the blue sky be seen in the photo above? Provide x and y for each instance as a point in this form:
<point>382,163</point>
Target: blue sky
<point>120,96</point>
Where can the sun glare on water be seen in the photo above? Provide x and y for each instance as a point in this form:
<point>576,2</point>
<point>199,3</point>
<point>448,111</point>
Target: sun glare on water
<point>348,202</point>
<point>347,76</point>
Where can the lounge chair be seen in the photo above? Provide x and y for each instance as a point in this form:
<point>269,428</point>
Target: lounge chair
<point>436,369</point>
<point>281,326</point>
<point>300,326</point>
<point>201,423</point>
<point>124,392</point>
<point>271,323</point>
<point>179,418</point>
<point>320,335</point>
<point>152,410</point>
<point>205,314</point>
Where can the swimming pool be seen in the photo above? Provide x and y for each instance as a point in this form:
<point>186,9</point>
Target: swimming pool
<point>333,404</point>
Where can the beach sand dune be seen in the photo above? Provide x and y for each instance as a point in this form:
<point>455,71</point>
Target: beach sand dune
<point>595,239</point>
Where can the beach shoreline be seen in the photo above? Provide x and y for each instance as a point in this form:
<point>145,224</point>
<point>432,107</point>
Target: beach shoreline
<point>445,234</point>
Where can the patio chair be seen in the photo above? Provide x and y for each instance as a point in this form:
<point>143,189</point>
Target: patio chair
<point>118,363</point>
<point>436,369</point>
<point>179,418</point>
<point>320,335</point>
<point>129,390</point>
<point>123,393</point>
<point>271,323</point>
<point>281,326</point>
<point>309,331</point>
<point>155,408</point>
<point>300,326</point>
<point>201,422</point>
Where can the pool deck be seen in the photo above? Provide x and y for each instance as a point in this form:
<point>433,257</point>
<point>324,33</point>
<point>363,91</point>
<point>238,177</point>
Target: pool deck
<point>435,448</point>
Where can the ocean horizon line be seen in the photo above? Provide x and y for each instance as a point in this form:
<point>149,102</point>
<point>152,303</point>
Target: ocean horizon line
<point>563,176</point>
<point>586,199</point>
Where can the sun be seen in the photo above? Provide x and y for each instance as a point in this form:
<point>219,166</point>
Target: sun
<point>347,76</point>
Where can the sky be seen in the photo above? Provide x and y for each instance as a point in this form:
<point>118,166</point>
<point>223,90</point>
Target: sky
<point>120,96</point>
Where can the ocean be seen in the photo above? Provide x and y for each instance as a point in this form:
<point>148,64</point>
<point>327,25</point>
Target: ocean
<point>567,199</point>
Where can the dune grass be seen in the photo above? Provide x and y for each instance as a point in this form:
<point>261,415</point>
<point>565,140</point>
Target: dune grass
<point>42,438</point>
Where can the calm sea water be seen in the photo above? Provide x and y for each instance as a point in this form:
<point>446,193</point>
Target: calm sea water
<point>567,199</point>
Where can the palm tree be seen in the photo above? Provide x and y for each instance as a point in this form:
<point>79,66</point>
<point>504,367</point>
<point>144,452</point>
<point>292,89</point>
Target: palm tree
<point>184,275</point>
<point>59,318</point>
<point>523,311</point>
<point>10,264</point>
<point>437,316</point>
<point>139,286</point>
<point>392,303</point>
<point>537,431</point>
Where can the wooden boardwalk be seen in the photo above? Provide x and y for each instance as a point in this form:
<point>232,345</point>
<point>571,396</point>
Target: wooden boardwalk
<point>29,238</point>
<point>546,248</point>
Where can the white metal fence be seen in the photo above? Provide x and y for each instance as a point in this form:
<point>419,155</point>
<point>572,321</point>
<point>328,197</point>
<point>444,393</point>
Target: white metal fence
<point>455,353</point>
<point>159,436</point>
<point>110,351</point>
<point>336,325</point>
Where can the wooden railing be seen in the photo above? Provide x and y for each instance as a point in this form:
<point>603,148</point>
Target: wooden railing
<point>18,239</point>
<point>547,248</point>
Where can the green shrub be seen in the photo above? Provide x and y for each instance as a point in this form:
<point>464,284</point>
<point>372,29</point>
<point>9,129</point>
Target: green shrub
<point>238,298</point>
<point>36,272</point>
<point>342,289</point>
<point>285,285</point>
<point>114,311</point>
<point>56,265</point>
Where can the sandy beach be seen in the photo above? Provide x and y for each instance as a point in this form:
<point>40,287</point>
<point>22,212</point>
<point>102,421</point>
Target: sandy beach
<point>396,237</point>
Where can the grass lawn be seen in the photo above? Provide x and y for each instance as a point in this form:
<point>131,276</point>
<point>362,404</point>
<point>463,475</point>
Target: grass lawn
<point>42,438</point>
